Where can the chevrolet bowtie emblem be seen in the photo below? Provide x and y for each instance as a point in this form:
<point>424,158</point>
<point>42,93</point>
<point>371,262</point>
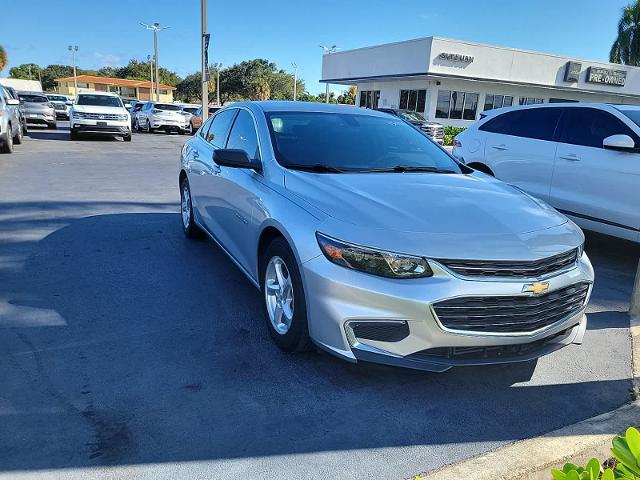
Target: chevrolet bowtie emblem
<point>536,288</point>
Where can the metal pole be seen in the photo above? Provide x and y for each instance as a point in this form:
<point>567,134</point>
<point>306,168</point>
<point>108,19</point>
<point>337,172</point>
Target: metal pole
<point>73,50</point>
<point>151,77</point>
<point>218,83</point>
<point>327,94</point>
<point>634,309</point>
<point>155,50</point>
<point>205,86</point>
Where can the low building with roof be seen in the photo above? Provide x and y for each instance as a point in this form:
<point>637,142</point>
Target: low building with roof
<point>131,89</point>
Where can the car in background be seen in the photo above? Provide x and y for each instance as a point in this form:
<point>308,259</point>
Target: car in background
<point>61,105</point>
<point>99,113</point>
<point>189,110</point>
<point>133,111</point>
<point>10,126</point>
<point>433,130</point>
<point>12,93</point>
<point>37,109</point>
<point>369,240</point>
<point>583,159</point>
<point>161,116</point>
<point>196,119</point>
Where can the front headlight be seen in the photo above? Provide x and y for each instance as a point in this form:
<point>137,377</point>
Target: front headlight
<point>370,260</point>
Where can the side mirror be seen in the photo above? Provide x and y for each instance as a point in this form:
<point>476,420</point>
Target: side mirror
<point>228,157</point>
<point>13,101</point>
<point>619,142</point>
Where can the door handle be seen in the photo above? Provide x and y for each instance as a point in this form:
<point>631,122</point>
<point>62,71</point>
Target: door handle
<point>502,146</point>
<point>572,157</point>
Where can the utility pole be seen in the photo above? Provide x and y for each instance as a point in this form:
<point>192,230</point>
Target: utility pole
<point>205,66</point>
<point>328,51</point>
<point>151,76</point>
<point>73,50</point>
<point>217,66</point>
<point>155,28</point>
<point>295,81</point>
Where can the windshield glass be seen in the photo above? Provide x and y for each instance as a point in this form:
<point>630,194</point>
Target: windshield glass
<point>412,116</point>
<point>56,98</point>
<point>33,98</point>
<point>167,107</point>
<point>352,142</point>
<point>99,100</point>
<point>634,115</point>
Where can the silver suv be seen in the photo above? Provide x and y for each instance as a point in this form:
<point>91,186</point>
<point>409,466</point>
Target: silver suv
<point>37,109</point>
<point>10,126</point>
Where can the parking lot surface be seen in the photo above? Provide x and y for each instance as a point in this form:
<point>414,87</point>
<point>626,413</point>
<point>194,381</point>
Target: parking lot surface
<point>128,351</point>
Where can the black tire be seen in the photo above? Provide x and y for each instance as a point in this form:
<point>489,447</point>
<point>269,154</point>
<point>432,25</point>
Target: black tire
<point>7,145</point>
<point>25,130</point>
<point>149,129</point>
<point>52,126</point>
<point>73,135</point>
<point>127,138</point>
<point>17,139</point>
<point>192,130</point>
<point>296,338</point>
<point>189,227</point>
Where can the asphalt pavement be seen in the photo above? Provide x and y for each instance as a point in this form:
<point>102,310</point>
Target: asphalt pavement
<point>128,351</point>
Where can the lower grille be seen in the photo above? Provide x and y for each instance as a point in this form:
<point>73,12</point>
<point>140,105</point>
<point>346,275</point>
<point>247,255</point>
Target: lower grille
<point>380,331</point>
<point>511,314</point>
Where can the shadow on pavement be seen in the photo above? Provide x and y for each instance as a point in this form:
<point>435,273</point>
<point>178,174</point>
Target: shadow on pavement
<point>152,348</point>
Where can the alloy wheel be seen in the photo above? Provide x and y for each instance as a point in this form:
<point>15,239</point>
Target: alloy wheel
<point>279,295</point>
<point>185,205</point>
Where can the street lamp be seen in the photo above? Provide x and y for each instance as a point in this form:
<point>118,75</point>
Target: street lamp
<point>328,51</point>
<point>149,58</point>
<point>155,27</point>
<point>295,80</point>
<point>217,66</point>
<point>73,49</point>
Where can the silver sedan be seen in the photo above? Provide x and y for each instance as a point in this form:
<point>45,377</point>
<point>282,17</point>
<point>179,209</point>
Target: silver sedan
<point>369,241</point>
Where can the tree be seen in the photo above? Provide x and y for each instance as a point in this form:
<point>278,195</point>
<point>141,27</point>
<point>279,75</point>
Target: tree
<point>3,58</point>
<point>626,47</point>
<point>27,71</point>
<point>348,97</point>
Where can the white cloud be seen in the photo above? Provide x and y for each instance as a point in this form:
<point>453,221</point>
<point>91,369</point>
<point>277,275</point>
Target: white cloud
<point>107,59</point>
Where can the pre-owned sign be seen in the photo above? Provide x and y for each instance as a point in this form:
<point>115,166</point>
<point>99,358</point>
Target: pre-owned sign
<point>606,76</point>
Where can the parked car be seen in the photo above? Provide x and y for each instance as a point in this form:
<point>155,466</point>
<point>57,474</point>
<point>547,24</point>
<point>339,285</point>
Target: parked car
<point>583,159</point>
<point>434,130</point>
<point>189,111</point>
<point>135,108</point>
<point>12,93</point>
<point>100,112</point>
<point>196,119</point>
<point>61,105</point>
<point>10,126</point>
<point>370,241</point>
<point>37,109</point>
<point>161,116</point>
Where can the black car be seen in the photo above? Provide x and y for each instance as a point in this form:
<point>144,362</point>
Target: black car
<point>433,130</point>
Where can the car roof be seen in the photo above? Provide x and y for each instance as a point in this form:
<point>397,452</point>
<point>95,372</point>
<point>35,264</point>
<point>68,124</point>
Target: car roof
<point>290,106</point>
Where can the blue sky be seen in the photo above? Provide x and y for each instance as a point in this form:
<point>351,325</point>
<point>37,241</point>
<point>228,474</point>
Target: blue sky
<point>109,34</point>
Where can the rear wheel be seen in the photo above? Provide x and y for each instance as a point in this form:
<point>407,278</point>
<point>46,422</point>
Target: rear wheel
<point>189,227</point>
<point>17,139</point>
<point>284,304</point>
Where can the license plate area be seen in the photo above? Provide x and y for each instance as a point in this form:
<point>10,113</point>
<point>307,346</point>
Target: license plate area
<point>101,124</point>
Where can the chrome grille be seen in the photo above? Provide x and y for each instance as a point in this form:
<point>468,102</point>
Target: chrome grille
<point>511,314</point>
<point>501,268</point>
<point>100,116</point>
<point>59,106</point>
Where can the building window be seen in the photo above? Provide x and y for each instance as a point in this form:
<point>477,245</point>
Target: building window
<point>369,98</point>
<point>456,105</point>
<point>497,101</point>
<point>163,91</point>
<point>83,85</point>
<point>413,100</point>
<point>530,100</point>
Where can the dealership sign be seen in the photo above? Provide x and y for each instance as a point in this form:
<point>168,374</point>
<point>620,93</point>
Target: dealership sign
<point>572,72</point>
<point>455,57</point>
<point>606,76</point>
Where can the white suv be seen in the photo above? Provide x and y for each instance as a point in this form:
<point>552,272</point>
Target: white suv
<point>99,112</point>
<point>583,159</point>
<point>162,116</point>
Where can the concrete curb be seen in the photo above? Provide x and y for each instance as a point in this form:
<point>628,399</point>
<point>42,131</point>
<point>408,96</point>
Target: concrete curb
<point>533,459</point>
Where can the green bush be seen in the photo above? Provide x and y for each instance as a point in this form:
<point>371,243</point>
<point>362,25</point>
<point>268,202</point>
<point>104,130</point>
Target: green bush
<point>453,131</point>
<point>626,450</point>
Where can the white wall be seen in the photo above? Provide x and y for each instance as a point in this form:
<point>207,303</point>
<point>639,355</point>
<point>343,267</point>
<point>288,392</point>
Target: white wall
<point>22,85</point>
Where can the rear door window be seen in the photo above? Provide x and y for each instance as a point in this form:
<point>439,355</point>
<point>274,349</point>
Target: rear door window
<point>589,127</point>
<point>536,123</point>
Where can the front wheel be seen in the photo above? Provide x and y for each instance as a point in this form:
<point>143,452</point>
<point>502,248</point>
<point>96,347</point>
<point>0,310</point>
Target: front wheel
<point>189,227</point>
<point>52,126</point>
<point>149,129</point>
<point>285,308</point>
<point>7,146</point>
<point>127,138</point>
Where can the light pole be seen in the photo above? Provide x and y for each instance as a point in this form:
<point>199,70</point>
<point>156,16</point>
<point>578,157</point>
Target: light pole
<point>73,49</point>
<point>295,80</point>
<point>204,43</point>
<point>217,66</point>
<point>155,27</point>
<point>151,76</point>
<point>328,51</point>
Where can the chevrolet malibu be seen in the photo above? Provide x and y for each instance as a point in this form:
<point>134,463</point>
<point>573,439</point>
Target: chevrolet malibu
<point>369,241</point>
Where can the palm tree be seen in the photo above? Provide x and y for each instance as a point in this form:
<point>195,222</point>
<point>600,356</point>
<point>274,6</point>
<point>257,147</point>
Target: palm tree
<point>626,48</point>
<point>3,58</point>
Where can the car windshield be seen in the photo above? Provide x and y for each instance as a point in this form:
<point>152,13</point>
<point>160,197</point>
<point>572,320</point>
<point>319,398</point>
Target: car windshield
<point>33,98</point>
<point>634,115</point>
<point>412,116</point>
<point>56,98</point>
<point>99,100</point>
<point>347,142</point>
<point>167,107</point>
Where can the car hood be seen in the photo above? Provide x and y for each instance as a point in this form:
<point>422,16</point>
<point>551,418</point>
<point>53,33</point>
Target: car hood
<point>99,109</point>
<point>444,215</point>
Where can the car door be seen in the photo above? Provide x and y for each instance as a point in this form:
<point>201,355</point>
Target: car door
<point>520,148</point>
<point>235,196</point>
<point>205,179</point>
<point>597,187</point>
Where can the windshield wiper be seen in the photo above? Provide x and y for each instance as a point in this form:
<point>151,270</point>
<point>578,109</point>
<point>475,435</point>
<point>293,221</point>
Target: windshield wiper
<point>407,168</point>
<point>316,167</point>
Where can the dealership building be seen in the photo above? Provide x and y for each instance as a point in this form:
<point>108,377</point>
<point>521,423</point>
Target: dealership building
<point>453,81</point>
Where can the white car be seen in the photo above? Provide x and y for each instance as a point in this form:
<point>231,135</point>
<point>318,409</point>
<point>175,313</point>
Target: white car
<point>162,116</point>
<point>583,159</point>
<point>99,112</point>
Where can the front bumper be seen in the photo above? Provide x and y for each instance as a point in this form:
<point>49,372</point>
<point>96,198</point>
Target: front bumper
<point>108,127</point>
<point>338,298</point>
<point>40,118</point>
